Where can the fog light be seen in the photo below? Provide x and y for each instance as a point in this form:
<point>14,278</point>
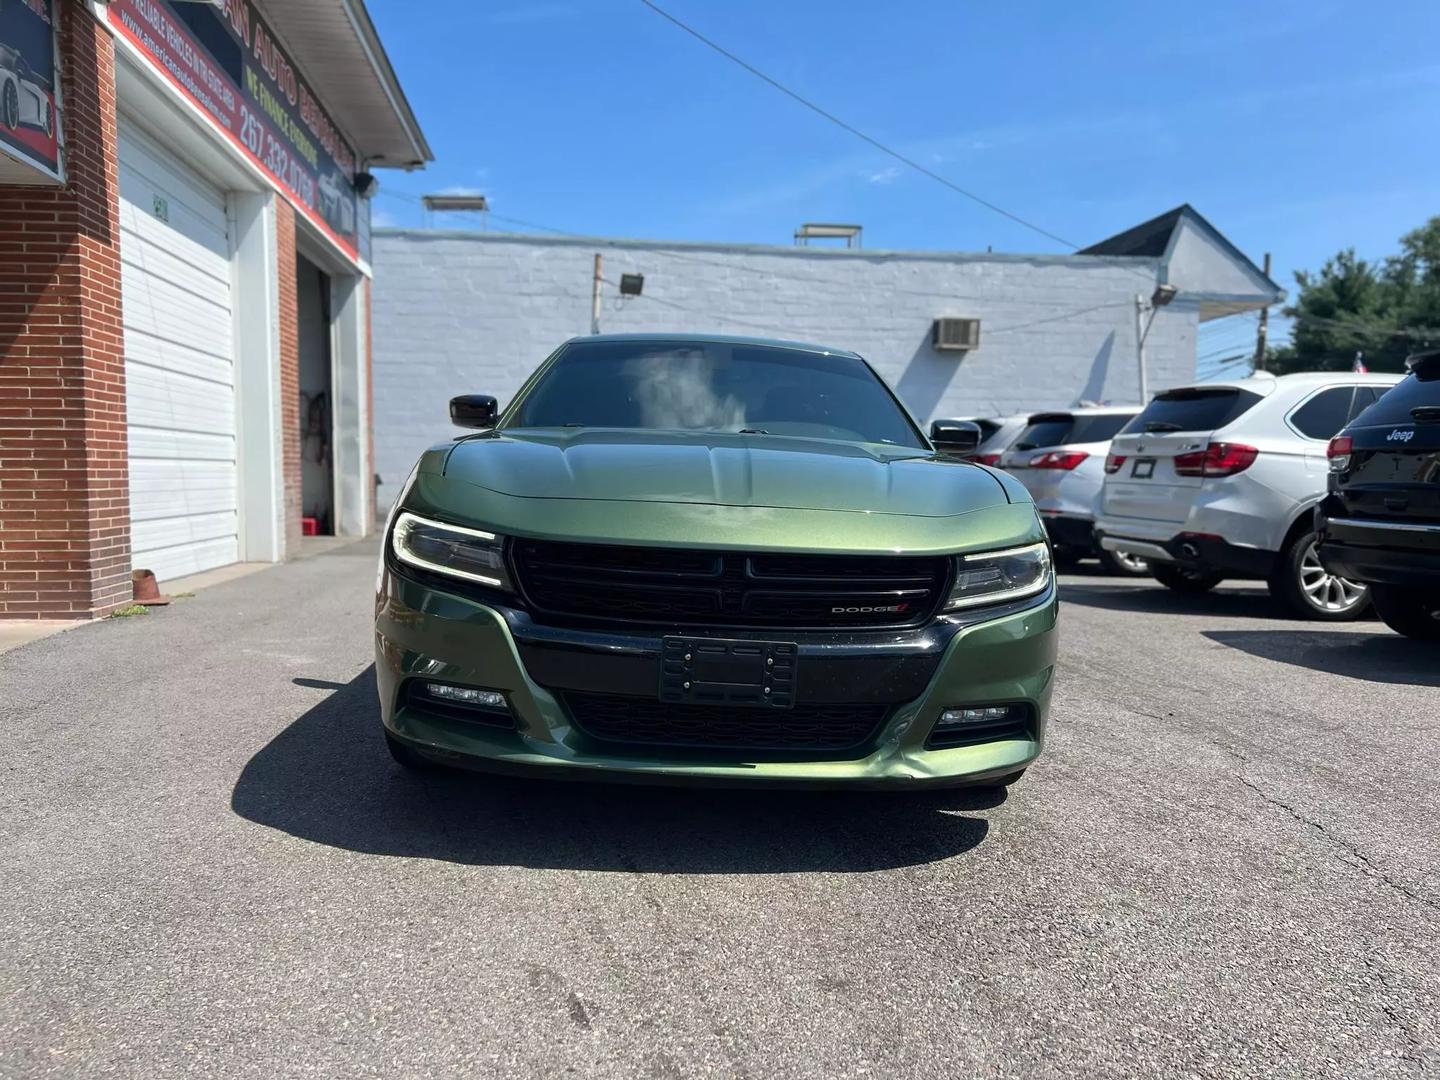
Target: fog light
<point>985,714</point>
<point>464,695</point>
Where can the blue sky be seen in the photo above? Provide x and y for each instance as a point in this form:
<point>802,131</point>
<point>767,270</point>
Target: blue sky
<point>1296,128</point>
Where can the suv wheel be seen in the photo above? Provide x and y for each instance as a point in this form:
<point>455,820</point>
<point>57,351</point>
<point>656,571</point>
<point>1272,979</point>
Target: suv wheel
<point>1185,579</point>
<point>1416,614</point>
<point>1117,562</point>
<point>1311,591</point>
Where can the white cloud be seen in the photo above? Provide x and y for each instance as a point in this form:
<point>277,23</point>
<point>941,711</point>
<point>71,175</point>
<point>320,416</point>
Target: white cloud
<point>887,175</point>
<point>380,218</point>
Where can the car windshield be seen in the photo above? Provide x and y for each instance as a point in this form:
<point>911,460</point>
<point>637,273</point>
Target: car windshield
<point>1192,409</point>
<point>1058,429</point>
<point>1398,405</point>
<point>714,386</point>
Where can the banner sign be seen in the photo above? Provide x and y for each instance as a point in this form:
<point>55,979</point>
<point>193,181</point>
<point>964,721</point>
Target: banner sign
<point>224,57</point>
<point>29,120</point>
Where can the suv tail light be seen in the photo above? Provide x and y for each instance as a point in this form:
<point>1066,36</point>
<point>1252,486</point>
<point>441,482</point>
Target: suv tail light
<point>1113,462</point>
<point>1217,459</point>
<point>1339,451</point>
<point>986,459</point>
<point>1059,459</point>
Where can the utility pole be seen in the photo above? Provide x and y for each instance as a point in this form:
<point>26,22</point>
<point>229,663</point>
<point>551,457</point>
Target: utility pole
<point>595,294</point>
<point>1264,330</point>
<point>1141,332</point>
<point>1163,296</point>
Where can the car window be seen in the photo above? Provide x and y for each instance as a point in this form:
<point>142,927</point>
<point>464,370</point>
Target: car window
<point>1327,412</point>
<point>1193,409</point>
<point>1090,429</point>
<point>1365,396</point>
<point>714,386</point>
<point>1060,429</point>
<point>1045,431</point>
<point>1395,404</point>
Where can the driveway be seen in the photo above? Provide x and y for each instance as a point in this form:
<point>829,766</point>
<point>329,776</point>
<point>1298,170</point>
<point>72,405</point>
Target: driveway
<point>1227,864</point>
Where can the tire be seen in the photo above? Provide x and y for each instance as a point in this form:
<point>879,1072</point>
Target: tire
<point>1183,579</point>
<point>1312,592</point>
<point>1122,565</point>
<point>1412,612</point>
<point>10,106</point>
<point>406,757</point>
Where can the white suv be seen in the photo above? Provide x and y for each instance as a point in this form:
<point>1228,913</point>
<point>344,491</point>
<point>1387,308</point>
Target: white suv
<point>1060,458</point>
<point>1219,480</point>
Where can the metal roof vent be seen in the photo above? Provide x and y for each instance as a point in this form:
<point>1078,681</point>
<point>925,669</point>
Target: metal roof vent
<point>956,335</point>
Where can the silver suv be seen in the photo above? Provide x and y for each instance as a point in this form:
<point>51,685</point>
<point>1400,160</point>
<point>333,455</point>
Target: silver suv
<point>1060,458</point>
<point>1219,481</point>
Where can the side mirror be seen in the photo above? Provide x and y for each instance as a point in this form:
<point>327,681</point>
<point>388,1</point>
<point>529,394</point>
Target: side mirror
<point>474,410</point>
<point>955,436</point>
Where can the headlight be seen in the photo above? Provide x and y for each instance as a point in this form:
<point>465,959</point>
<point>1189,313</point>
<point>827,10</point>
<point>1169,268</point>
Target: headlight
<point>993,577</point>
<point>450,550</point>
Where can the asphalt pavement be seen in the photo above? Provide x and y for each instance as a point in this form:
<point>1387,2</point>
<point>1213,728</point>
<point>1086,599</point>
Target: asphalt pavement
<point>1227,864</point>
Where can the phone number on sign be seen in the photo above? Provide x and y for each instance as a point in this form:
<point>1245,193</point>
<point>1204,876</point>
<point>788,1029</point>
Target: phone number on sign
<point>275,157</point>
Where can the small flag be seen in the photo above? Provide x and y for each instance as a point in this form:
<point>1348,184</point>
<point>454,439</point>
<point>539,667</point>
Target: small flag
<point>1360,368</point>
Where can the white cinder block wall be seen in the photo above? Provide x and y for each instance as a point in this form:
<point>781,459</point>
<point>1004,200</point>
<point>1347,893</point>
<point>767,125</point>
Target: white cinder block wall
<point>464,312</point>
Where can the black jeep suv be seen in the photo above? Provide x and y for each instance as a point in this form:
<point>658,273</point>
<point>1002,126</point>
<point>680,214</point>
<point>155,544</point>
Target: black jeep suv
<point>1380,523</point>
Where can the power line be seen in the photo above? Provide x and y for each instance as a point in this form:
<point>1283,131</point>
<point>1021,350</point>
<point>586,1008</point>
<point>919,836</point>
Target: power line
<point>876,143</point>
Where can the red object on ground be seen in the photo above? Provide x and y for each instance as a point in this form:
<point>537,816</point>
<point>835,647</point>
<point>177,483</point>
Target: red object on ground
<point>146,590</point>
<point>309,526</point>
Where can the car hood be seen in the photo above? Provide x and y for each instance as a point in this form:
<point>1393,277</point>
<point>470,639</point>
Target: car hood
<point>721,469</point>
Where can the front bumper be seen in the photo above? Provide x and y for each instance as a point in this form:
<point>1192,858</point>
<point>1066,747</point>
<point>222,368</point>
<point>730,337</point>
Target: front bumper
<point>424,632</point>
<point>1377,552</point>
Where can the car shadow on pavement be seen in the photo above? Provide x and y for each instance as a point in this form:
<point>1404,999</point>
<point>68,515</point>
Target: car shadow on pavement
<point>328,778</point>
<point>1382,657</point>
<point>1157,600</point>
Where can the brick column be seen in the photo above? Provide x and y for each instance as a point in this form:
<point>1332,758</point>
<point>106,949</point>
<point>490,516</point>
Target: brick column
<point>289,371</point>
<point>64,476</point>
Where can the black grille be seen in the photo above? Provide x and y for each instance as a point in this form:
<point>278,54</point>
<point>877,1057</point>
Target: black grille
<point>826,728</point>
<point>671,587</point>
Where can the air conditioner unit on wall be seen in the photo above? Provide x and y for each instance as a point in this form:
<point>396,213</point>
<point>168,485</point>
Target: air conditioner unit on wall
<point>956,335</point>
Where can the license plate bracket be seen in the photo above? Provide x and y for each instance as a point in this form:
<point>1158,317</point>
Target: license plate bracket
<point>721,671</point>
<point>1143,469</point>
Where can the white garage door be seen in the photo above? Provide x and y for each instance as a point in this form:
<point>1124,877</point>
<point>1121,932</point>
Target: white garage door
<point>179,363</point>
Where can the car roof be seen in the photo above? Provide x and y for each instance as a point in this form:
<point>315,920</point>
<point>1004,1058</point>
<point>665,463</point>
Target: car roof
<point>1264,384</point>
<point>715,339</point>
<point>1084,410</point>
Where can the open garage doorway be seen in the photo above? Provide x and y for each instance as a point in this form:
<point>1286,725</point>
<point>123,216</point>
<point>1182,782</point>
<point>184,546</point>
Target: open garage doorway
<point>317,399</point>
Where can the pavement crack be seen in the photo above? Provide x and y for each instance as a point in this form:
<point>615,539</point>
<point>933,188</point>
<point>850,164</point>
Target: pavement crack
<point>1392,1014</point>
<point>1357,859</point>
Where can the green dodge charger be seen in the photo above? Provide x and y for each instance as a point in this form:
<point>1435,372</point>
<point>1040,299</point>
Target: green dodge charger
<point>713,560</point>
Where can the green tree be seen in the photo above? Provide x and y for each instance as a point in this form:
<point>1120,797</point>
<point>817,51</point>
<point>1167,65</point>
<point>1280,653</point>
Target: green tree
<point>1386,310</point>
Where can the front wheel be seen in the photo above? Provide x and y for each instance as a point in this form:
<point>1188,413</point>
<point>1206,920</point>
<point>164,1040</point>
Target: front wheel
<point>10,106</point>
<point>1412,612</point>
<point>1303,585</point>
<point>1118,562</point>
<point>1185,579</point>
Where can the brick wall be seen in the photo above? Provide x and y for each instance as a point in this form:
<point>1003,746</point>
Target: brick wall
<point>476,312</point>
<point>64,491</point>
<point>289,371</point>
